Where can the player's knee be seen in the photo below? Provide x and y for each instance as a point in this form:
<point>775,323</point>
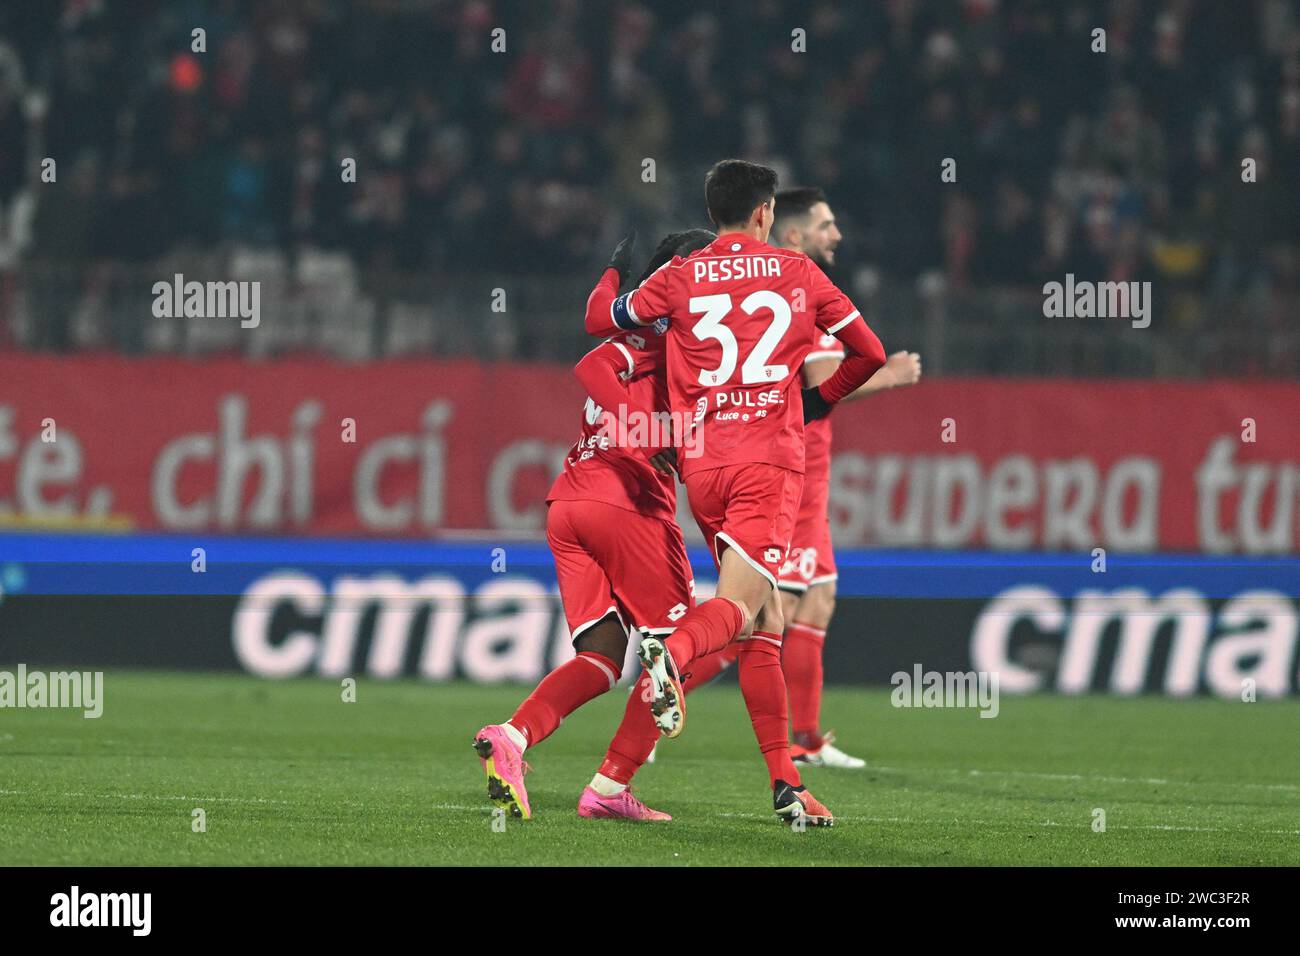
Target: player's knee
<point>747,621</point>
<point>606,638</point>
<point>818,605</point>
<point>789,603</point>
<point>770,620</point>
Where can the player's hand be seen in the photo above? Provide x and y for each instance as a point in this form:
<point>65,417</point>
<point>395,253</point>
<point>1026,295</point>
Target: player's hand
<point>905,367</point>
<point>621,260</point>
<point>665,461</point>
<point>814,406</point>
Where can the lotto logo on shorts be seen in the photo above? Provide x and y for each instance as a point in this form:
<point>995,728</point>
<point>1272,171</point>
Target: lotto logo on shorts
<point>771,555</point>
<point>676,612</point>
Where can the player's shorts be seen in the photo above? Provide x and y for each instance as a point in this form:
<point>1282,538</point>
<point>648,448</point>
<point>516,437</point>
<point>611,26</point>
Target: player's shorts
<point>613,561</point>
<point>811,559</point>
<point>750,507</point>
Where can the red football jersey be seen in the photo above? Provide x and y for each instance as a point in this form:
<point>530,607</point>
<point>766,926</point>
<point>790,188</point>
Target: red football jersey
<point>817,435</point>
<point>743,316</point>
<point>609,462</point>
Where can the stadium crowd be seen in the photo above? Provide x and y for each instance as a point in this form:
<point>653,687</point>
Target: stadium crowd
<point>1123,165</point>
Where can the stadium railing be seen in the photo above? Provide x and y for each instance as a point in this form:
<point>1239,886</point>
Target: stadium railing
<point>320,302</point>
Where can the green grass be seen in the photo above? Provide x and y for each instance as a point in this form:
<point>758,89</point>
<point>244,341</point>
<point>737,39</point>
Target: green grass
<point>289,774</point>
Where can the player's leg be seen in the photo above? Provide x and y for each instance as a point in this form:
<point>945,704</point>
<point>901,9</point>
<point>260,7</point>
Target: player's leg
<point>805,634</point>
<point>762,682</point>
<point>711,625</point>
<point>812,577</point>
<point>707,629</point>
<point>760,504</point>
<point>805,639</point>
<point>637,733</point>
<point>600,639</point>
<point>594,670</point>
<point>653,604</point>
<point>724,501</point>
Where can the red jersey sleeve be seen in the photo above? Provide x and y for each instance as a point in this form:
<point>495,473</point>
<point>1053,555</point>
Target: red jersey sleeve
<point>650,300</point>
<point>837,316</point>
<point>604,372</point>
<point>600,320</point>
<point>609,313</point>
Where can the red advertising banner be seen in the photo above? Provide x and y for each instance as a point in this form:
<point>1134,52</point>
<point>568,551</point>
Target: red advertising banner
<point>416,448</point>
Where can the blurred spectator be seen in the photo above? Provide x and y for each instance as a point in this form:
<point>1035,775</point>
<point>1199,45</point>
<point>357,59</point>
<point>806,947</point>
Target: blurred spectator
<point>531,161</point>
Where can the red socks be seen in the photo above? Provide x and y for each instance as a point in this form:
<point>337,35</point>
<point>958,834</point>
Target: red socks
<point>803,676</point>
<point>637,734</point>
<point>706,628</point>
<point>704,669</point>
<point>563,691</point>
<point>763,685</point>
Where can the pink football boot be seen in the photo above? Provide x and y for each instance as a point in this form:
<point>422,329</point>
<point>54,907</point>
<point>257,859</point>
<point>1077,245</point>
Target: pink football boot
<point>503,762</point>
<point>624,806</point>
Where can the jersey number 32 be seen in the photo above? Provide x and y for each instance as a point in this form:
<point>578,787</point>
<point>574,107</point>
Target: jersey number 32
<point>755,369</point>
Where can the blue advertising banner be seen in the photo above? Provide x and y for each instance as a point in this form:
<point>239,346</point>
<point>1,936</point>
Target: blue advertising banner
<point>489,611</point>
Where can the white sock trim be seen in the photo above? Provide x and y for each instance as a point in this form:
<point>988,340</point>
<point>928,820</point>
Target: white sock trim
<point>516,735</point>
<point>606,787</point>
<point>613,679</point>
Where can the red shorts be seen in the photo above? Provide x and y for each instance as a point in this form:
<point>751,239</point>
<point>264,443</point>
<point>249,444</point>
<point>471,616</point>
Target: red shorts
<point>613,561</point>
<point>749,507</point>
<point>811,560</point>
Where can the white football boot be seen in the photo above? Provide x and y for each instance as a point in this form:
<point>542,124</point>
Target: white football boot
<point>827,755</point>
<point>668,705</point>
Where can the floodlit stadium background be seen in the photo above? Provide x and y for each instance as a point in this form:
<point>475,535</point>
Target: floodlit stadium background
<point>435,303</point>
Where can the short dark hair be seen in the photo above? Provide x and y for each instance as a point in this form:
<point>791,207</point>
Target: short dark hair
<point>734,187</point>
<point>675,244</point>
<point>797,201</point>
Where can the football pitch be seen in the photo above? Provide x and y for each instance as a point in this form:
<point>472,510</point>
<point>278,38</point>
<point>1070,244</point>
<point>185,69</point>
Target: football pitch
<point>289,773</point>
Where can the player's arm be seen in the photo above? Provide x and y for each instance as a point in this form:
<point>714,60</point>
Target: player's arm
<point>837,316</point>
<point>603,372</point>
<point>901,368</point>
<point>600,314</point>
<point>609,313</point>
